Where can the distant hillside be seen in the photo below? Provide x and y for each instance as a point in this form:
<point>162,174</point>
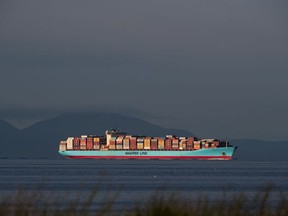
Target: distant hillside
<point>91,123</point>
<point>42,139</point>
<point>7,129</point>
<point>11,140</point>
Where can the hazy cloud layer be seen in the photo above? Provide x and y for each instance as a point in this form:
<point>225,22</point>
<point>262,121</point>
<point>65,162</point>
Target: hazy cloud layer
<point>217,68</point>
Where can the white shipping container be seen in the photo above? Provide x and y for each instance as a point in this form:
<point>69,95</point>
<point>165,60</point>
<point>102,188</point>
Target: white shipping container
<point>96,146</point>
<point>125,146</point>
<point>62,146</point>
<point>70,143</point>
<point>83,147</point>
<point>119,146</point>
<point>126,141</point>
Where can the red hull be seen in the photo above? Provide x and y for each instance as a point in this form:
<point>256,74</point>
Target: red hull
<point>155,157</point>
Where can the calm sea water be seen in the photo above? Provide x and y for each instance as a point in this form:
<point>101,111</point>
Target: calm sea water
<point>135,180</point>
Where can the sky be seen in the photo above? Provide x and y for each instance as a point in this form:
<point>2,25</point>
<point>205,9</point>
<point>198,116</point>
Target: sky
<point>215,68</point>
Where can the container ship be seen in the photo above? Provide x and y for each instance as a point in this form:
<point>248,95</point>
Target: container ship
<point>118,145</point>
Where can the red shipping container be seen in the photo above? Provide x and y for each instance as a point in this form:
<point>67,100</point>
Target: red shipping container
<point>76,147</point>
<point>190,139</point>
<point>89,144</point>
<point>76,143</point>
<point>133,147</point>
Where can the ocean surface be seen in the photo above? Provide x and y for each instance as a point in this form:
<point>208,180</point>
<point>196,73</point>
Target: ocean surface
<point>134,181</point>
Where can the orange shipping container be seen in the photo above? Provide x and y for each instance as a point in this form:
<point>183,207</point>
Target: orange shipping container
<point>112,146</point>
<point>175,141</point>
<point>83,141</point>
<point>147,142</point>
<point>96,141</point>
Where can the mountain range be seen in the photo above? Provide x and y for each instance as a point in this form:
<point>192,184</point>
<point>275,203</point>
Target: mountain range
<point>41,139</point>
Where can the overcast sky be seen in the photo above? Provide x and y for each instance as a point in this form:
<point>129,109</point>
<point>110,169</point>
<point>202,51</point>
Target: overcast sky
<point>216,68</point>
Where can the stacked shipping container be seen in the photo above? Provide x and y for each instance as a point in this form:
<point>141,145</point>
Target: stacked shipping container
<point>83,142</point>
<point>175,143</point>
<point>133,143</point>
<point>119,142</point>
<point>76,143</point>
<point>70,143</point>
<point>161,143</point>
<point>123,142</point>
<point>190,143</point>
<point>96,143</point>
<point>168,143</point>
<point>140,143</point>
<point>63,146</point>
<point>154,144</point>
<point>89,144</point>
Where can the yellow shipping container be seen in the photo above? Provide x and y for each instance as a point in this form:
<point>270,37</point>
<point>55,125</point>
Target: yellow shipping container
<point>140,145</point>
<point>147,142</point>
<point>161,143</point>
<point>182,145</point>
<point>112,146</point>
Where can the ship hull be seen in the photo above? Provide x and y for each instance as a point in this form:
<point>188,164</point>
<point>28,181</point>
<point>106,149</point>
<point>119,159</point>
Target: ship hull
<point>220,153</point>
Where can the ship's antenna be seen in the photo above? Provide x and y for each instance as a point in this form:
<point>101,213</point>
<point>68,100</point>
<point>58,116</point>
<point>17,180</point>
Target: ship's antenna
<point>226,142</point>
